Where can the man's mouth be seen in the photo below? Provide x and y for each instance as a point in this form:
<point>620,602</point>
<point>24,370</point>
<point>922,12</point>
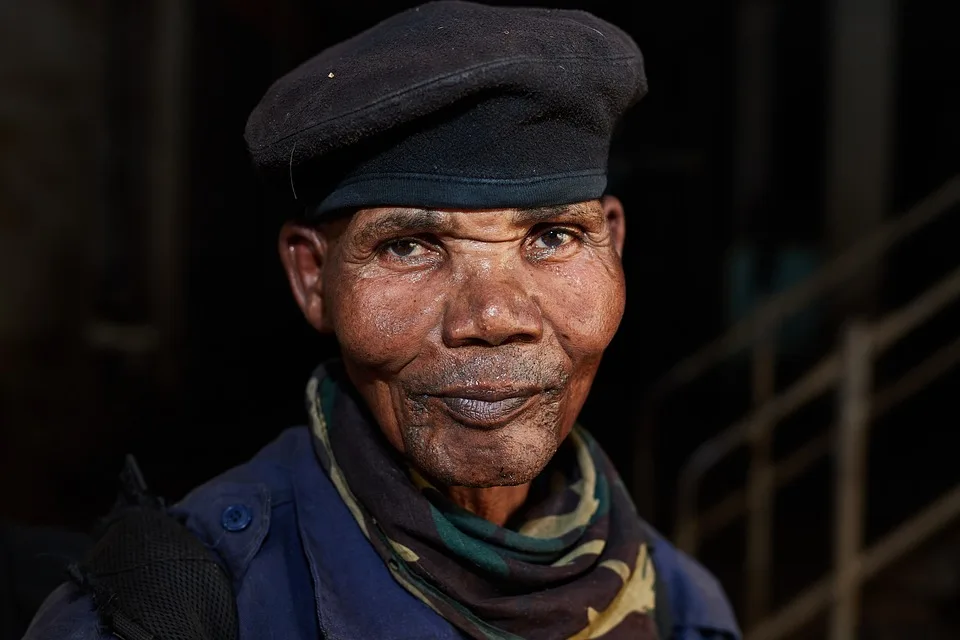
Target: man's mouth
<point>486,408</point>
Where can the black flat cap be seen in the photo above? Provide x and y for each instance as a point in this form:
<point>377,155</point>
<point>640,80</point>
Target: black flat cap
<point>451,105</point>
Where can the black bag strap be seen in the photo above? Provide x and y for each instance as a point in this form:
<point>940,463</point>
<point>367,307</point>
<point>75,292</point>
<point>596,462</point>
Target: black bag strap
<point>151,578</point>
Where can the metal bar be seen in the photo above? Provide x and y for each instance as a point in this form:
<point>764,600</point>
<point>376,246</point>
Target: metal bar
<point>930,369</point>
<point>881,555</point>
<point>795,464</point>
<point>727,510</point>
<point>799,612</point>
<point>759,535</point>
<point>896,544</point>
<point>911,534</point>
<point>794,299</point>
<point>900,322</point>
<point>716,448</point>
<point>886,331</point>
<point>855,388</point>
<point>760,482</point>
<point>704,458</point>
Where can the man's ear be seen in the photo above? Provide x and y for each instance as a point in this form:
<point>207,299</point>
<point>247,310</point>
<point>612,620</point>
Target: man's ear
<point>616,221</point>
<point>304,251</point>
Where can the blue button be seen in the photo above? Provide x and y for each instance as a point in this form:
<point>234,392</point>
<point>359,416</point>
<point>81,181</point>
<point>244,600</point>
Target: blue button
<point>236,517</point>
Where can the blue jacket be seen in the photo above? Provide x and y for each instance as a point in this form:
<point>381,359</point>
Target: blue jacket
<point>304,570</point>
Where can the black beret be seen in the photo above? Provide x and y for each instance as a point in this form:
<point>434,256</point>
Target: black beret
<point>451,105</point>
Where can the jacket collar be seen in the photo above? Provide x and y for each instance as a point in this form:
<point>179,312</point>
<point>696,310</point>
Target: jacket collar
<point>696,599</point>
<point>347,571</point>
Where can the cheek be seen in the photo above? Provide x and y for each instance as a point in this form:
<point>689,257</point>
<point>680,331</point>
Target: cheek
<point>584,303</point>
<point>383,322</point>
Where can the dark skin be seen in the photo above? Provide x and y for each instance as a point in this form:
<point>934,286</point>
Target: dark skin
<point>473,336</point>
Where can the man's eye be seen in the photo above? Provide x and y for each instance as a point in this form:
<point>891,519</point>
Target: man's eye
<point>404,248</point>
<point>554,239</point>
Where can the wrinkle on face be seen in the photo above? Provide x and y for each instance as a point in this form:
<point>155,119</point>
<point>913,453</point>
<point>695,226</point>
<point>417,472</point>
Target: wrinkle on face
<point>521,315</point>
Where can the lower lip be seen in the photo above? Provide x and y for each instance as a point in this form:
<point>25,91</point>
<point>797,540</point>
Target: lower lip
<point>485,414</point>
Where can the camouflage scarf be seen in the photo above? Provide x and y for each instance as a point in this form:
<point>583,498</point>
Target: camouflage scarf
<point>576,565</point>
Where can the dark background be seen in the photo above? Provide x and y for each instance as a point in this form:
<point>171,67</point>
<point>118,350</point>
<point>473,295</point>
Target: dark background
<point>145,310</point>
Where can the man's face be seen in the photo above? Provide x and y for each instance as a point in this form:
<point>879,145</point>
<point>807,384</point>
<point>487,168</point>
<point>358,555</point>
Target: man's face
<point>473,336</point>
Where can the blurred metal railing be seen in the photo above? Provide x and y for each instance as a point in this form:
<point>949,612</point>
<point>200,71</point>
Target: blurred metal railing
<point>849,369</point>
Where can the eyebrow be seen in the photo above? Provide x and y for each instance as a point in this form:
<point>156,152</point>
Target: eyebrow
<point>568,212</point>
<point>400,221</point>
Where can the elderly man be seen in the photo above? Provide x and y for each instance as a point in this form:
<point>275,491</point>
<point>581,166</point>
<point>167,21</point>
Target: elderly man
<point>448,171</point>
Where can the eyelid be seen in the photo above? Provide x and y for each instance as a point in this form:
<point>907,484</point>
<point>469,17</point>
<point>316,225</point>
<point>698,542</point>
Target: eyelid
<point>575,231</point>
<point>572,227</point>
<point>383,249</point>
<point>575,239</point>
<point>411,238</point>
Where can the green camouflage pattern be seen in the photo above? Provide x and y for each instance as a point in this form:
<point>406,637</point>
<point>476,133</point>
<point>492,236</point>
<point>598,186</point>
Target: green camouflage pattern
<point>575,566</point>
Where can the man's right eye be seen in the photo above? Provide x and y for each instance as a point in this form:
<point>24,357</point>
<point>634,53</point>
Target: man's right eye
<point>404,248</point>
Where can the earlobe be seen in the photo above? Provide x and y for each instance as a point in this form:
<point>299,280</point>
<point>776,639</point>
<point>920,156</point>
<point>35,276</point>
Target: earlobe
<point>616,221</point>
<point>303,252</point>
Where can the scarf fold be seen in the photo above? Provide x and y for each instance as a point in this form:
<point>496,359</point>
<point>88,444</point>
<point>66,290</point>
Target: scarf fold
<point>574,563</point>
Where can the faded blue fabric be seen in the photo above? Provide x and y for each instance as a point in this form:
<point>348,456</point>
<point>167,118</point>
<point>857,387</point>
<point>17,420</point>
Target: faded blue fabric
<point>304,570</point>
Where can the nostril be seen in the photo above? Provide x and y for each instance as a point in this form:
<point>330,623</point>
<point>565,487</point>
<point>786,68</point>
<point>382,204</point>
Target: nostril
<point>472,342</point>
<point>522,338</point>
<point>491,314</point>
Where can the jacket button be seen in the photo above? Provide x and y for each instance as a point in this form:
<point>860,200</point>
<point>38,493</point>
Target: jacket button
<point>236,517</point>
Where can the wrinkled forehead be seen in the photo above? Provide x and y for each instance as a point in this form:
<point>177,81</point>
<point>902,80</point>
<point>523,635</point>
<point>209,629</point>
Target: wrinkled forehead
<point>368,223</point>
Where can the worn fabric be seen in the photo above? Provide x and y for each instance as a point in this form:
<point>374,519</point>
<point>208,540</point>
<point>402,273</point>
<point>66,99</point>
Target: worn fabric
<point>303,569</point>
<point>450,105</point>
<point>575,563</point>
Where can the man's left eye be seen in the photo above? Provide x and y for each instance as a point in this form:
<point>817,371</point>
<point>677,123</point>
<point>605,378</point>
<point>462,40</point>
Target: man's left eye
<point>554,239</point>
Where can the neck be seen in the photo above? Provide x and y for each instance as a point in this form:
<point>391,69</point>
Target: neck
<point>495,504</point>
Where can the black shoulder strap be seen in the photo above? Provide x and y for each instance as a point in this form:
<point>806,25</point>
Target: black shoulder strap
<point>151,578</point>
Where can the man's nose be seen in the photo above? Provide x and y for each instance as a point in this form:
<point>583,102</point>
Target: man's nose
<point>491,309</point>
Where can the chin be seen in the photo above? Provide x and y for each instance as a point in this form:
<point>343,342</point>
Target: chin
<point>459,456</point>
<point>512,477</point>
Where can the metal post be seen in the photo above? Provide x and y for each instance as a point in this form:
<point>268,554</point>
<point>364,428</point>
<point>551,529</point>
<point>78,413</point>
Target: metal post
<point>854,397</point>
<point>760,482</point>
<point>756,40</point>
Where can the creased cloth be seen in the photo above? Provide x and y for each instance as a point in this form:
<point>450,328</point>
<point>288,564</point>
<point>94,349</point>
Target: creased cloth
<point>574,563</point>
